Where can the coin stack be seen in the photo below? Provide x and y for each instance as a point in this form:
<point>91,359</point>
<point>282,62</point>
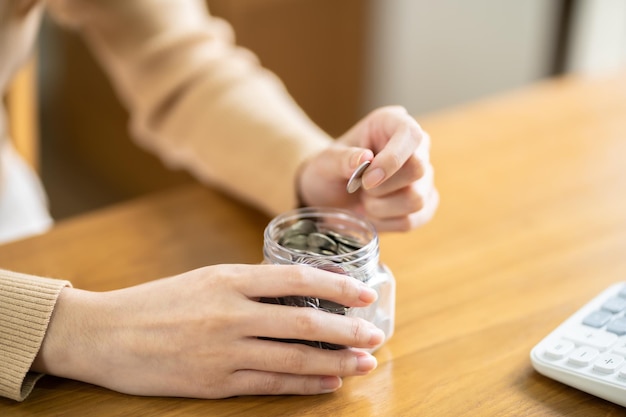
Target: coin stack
<point>318,245</point>
<point>305,237</point>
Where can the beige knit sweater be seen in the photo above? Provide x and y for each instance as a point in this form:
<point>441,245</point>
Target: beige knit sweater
<point>195,99</point>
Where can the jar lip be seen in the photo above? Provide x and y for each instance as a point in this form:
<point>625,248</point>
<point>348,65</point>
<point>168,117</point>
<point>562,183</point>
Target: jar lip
<point>314,212</point>
<point>321,210</point>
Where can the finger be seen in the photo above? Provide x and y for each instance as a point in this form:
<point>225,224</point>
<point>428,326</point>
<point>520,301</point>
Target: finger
<point>427,213</point>
<point>302,323</point>
<point>400,147</point>
<point>411,221</point>
<point>402,196</point>
<point>301,280</point>
<point>250,382</point>
<point>292,358</point>
<point>423,149</point>
<point>394,205</point>
<point>351,158</point>
<point>413,170</point>
<point>343,160</point>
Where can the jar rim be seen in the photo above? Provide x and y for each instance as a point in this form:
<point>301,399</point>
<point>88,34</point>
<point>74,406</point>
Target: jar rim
<point>370,248</point>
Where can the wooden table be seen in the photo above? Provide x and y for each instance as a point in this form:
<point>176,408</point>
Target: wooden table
<point>532,224</point>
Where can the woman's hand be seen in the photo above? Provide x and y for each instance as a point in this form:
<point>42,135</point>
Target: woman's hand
<point>196,334</point>
<point>398,193</point>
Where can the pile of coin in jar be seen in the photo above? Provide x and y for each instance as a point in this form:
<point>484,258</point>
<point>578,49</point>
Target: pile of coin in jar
<point>305,237</point>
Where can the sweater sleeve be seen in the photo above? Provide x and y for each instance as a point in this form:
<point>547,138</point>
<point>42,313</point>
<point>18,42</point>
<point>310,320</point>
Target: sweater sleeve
<point>26,304</point>
<point>196,99</point>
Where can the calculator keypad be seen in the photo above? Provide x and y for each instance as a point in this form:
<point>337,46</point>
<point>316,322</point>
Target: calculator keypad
<point>588,350</point>
<point>594,342</point>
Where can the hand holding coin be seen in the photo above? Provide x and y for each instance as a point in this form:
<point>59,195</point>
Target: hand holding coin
<point>380,168</point>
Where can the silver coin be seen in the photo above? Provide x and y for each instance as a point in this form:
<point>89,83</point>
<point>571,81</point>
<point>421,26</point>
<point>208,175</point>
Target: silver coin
<point>354,183</point>
<point>321,241</point>
<point>343,249</point>
<point>304,227</point>
<point>332,307</point>
<point>312,242</point>
<point>295,242</point>
<point>345,240</point>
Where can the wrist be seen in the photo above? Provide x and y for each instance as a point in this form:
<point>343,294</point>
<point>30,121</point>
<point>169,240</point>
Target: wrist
<point>69,342</point>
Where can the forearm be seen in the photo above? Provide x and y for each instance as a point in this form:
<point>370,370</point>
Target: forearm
<point>196,99</point>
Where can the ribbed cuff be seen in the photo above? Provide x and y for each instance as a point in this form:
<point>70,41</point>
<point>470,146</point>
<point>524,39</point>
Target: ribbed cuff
<point>26,304</point>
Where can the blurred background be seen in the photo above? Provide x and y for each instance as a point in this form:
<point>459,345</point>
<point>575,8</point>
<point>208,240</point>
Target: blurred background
<point>338,58</point>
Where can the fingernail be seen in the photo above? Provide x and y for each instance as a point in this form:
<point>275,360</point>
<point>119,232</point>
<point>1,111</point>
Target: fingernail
<point>365,363</point>
<point>377,337</point>
<point>372,178</point>
<point>331,383</point>
<point>360,156</point>
<point>355,160</point>
<point>367,295</point>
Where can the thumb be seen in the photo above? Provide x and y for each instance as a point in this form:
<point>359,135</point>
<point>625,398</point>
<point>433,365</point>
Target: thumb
<point>345,159</point>
<point>324,177</point>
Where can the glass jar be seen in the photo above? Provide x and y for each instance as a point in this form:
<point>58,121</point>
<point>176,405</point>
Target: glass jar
<point>339,241</point>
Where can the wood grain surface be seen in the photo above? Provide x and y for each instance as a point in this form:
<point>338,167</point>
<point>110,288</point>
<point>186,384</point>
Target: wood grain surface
<point>532,225</point>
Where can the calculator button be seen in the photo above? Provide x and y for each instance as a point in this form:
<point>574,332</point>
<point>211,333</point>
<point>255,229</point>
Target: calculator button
<point>614,304</point>
<point>620,346</point>
<point>617,326</point>
<point>583,355</point>
<point>598,339</point>
<point>598,318</point>
<point>558,349</point>
<point>607,363</point>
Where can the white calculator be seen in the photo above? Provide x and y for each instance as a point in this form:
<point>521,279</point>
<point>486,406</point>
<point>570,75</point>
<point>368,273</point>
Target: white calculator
<point>588,350</point>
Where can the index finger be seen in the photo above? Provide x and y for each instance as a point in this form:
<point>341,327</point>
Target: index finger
<point>308,281</point>
<point>405,139</point>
